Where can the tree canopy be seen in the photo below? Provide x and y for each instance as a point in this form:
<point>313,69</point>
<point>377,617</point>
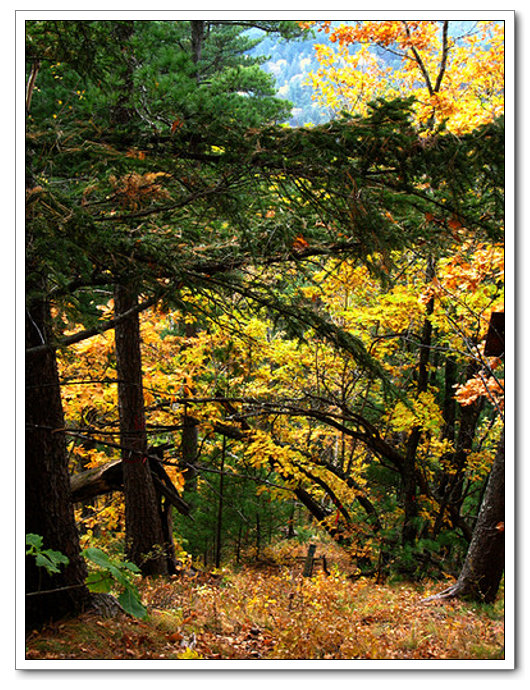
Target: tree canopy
<point>312,303</point>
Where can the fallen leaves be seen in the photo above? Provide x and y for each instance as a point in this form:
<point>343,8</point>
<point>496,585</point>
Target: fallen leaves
<point>279,615</point>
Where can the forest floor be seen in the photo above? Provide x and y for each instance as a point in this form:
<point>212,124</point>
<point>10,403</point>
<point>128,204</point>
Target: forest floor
<point>270,611</point>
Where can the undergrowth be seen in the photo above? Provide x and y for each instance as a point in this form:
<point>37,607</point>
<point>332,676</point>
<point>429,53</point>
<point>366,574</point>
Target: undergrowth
<point>270,611</point>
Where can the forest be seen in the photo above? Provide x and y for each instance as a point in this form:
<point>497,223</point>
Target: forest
<point>264,356</point>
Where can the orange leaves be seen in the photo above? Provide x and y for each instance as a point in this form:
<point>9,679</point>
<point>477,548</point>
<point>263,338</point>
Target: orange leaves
<point>479,386</point>
<point>468,393</point>
<point>134,190</point>
<point>455,225</point>
<point>33,192</point>
<point>467,272</point>
<point>300,243</point>
<point>177,124</point>
<point>382,33</point>
<point>322,25</point>
<point>460,80</point>
<point>175,637</point>
<point>136,153</point>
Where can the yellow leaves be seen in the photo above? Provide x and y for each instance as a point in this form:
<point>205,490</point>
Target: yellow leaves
<point>478,464</point>
<point>275,493</point>
<point>256,328</point>
<point>262,451</point>
<point>471,86</point>
<point>423,412</point>
<point>189,654</point>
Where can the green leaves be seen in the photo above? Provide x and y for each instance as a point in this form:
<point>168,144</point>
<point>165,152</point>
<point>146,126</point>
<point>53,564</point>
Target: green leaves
<point>111,573</point>
<point>130,601</point>
<point>48,559</point>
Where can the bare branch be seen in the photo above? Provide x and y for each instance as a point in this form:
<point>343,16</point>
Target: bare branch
<point>445,51</point>
<point>91,332</point>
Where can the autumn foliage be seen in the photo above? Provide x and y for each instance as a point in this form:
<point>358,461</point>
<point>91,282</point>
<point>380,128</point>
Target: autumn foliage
<point>308,311</point>
<point>273,613</point>
<point>457,79</point>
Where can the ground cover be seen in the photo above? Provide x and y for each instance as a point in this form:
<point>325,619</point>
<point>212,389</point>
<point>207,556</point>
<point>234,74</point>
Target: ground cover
<point>270,611</point>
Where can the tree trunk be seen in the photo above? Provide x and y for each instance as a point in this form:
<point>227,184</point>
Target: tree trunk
<point>189,449</point>
<point>190,431</point>
<point>219,526</point>
<point>143,526</point>
<point>197,38</point>
<point>108,478</point>
<point>451,486</point>
<point>410,524</point>
<point>484,564</point>
<point>49,510</point>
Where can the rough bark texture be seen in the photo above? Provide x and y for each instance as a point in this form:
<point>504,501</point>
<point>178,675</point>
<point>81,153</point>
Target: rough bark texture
<point>484,564</point>
<point>49,510</point>
<point>197,38</point>
<point>144,533</point>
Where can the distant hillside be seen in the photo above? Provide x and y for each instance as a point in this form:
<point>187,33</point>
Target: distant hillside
<point>290,62</point>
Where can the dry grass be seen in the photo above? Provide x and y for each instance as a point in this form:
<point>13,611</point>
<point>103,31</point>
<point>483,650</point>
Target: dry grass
<point>274,613</point>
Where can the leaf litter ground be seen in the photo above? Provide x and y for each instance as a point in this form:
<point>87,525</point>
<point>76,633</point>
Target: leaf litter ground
<point>271,612</point>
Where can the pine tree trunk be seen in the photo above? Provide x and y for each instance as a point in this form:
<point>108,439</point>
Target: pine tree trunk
<point>143,526</point>
<point>197,39</point>
<point>49,511</point>
<point>484,564</point>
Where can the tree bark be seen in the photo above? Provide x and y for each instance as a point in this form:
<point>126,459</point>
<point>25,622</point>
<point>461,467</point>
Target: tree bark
<point>49,511</point>
<point>219,525</point>
<point>484,564</point>
<point>197,38</point>
<point>410,504</point>
<point>109,478</point>
<point>190,431</point>
<point>144,534</point>
<point>189,449</point>
<point>451,485</point>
